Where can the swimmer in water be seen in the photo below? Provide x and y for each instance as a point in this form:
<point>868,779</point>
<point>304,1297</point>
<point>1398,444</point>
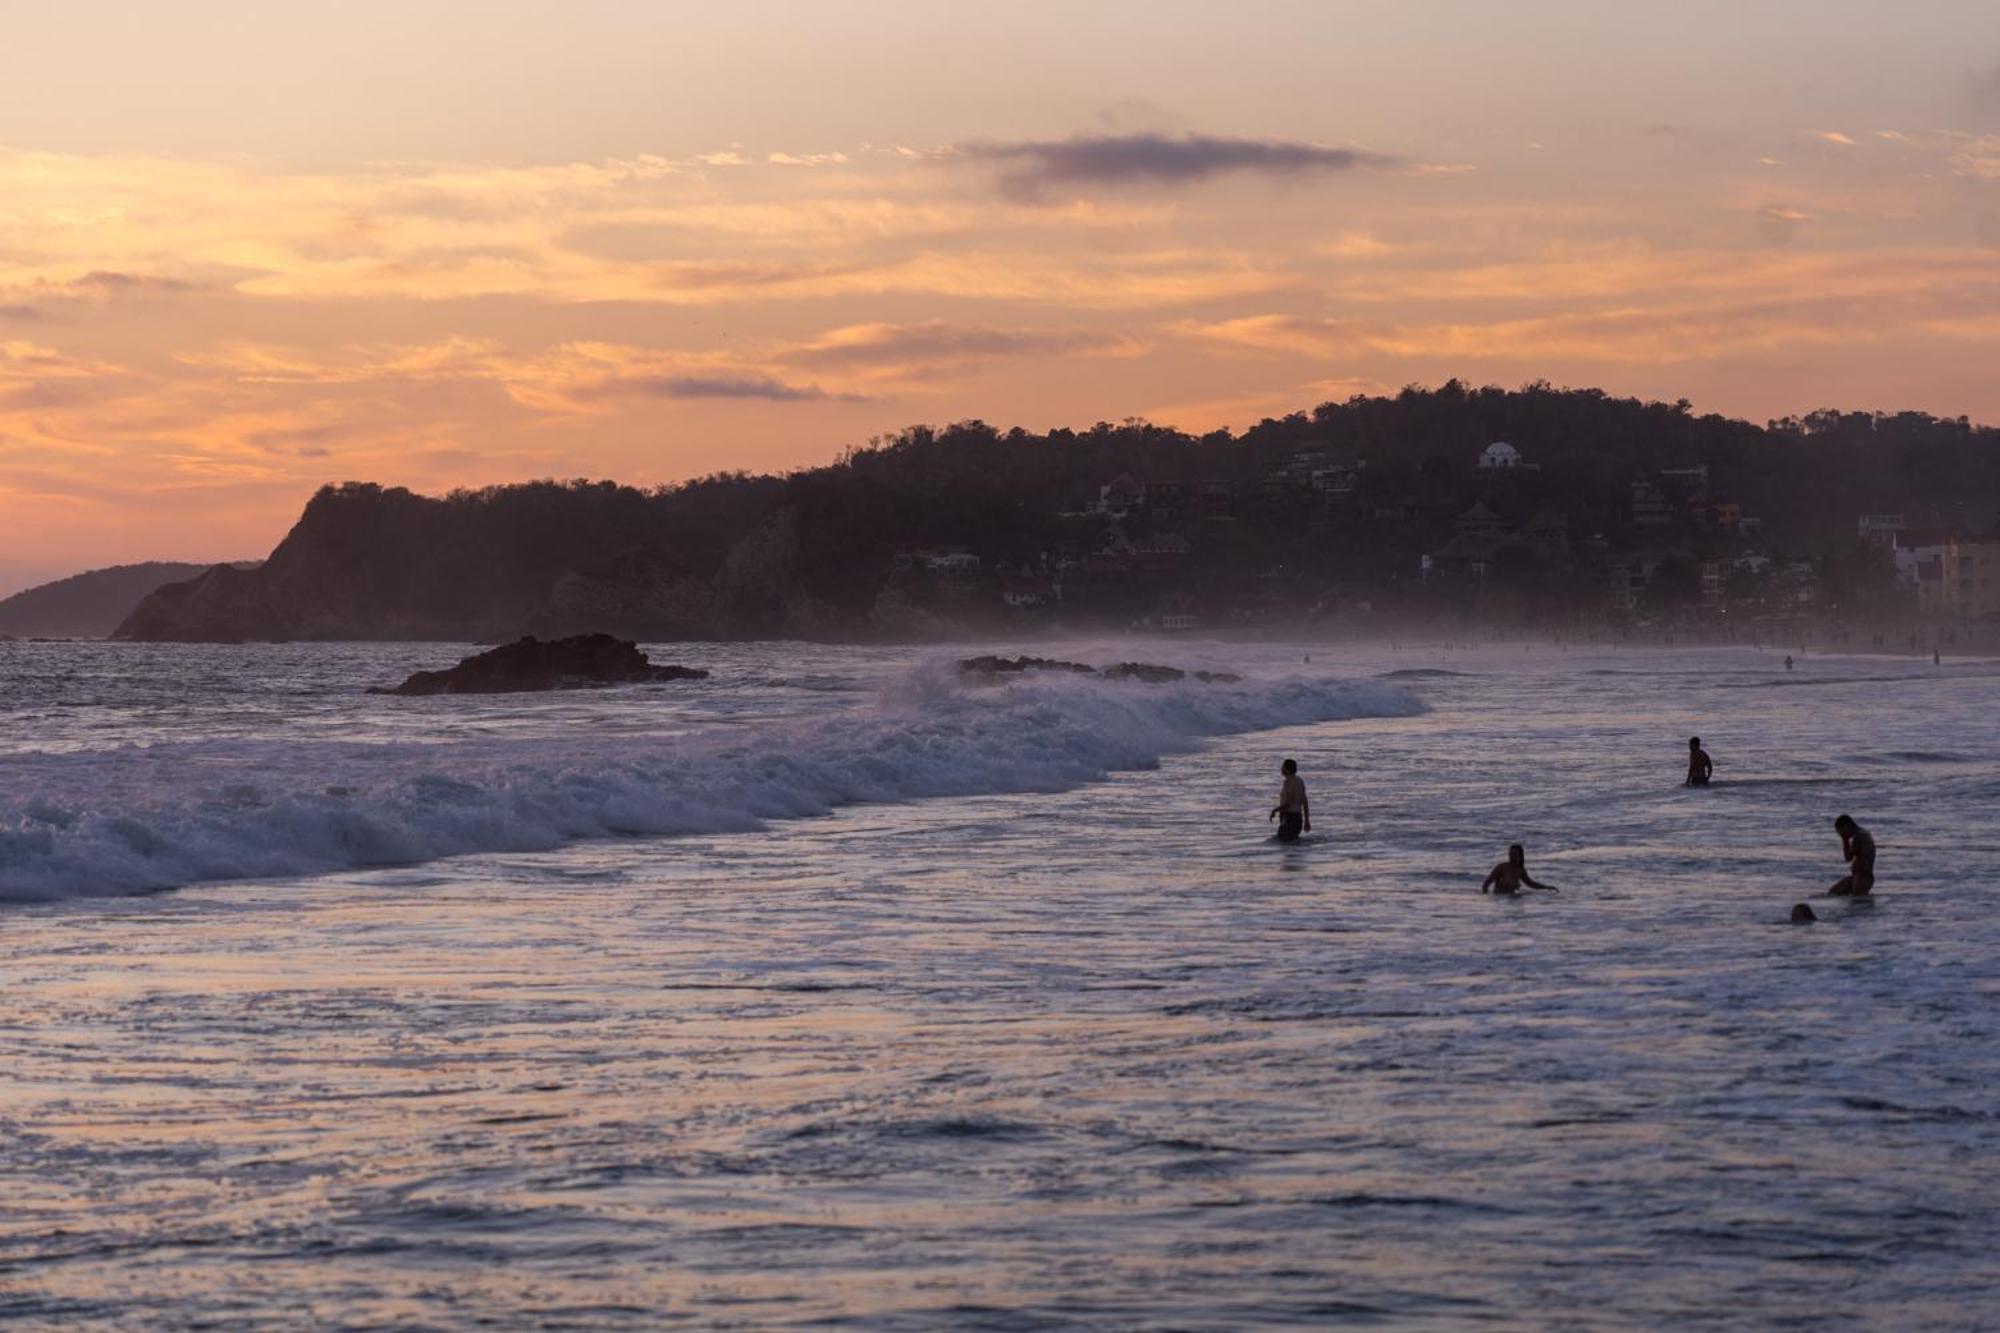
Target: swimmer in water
<point>1511,874</point>
<point>1857,844</point>
<point>1700,766</point>
<point>1293,812</point>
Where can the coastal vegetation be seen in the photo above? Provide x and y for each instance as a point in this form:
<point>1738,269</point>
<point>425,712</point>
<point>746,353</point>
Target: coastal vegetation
<point>1542,505</point>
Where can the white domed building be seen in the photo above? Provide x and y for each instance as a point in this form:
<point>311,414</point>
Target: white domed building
<point>1500,456</point>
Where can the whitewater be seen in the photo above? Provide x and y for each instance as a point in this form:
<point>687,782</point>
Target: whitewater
<point>837,989</point>
<point>251,769</point>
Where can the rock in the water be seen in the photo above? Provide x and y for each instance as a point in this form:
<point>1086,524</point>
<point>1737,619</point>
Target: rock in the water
<point>1146,671</point>
<point>546,664</point>
<point>990,666</point>
<point>1801,914</point>
<point>1004,666</point>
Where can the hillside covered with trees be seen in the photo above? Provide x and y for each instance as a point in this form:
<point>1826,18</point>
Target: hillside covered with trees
<point>89,605</point>
<point>1597,508</point>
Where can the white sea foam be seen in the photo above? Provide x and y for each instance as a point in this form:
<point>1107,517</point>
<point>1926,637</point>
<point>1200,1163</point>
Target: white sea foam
<point>166,815</point>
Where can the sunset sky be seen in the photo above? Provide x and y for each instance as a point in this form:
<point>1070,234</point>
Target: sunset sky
<point>246,249</point>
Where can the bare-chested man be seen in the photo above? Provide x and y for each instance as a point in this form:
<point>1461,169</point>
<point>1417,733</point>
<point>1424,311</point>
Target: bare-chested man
<point>1857,844</point>
<point>1700,767</point>
<point>1293,812</point>
<point>1511,874</point>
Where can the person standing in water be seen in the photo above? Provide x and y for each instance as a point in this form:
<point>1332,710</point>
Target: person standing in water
<point>1857,844</point>
<point>1511,874</point>
<point>1293,812</point>
<point>1700,767</point>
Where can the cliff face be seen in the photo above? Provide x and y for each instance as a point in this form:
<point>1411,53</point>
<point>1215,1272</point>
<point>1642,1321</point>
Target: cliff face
<point>365,562</point>
<point>87,606</point>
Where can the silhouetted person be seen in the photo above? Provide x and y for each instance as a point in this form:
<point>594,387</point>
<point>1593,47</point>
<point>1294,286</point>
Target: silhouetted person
<point>1700,766</point>
<point>1803,915</point>
<point>1293,812</point>
<point>1511,874</point>
<point>1857,844</point>
<point>1788,661</point>
<point>1937,658</point>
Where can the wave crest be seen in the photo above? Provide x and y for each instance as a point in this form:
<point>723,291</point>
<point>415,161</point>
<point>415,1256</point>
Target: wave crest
<point>164,816</point>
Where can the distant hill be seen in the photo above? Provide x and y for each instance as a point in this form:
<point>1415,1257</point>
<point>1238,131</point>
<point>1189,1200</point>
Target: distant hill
<point>1404,506</point>
<point>89,606</point>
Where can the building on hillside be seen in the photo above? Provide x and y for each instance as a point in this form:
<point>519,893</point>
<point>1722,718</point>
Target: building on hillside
<point>1547,532</point>
<point>1166,501</point>
<point>1687,488</point>
<point>1215,501</point>
<point>1500,456</point>
<point>1177,614</point>
<point>1912,551</point>
<point>1880,529</point>
<point>1930,584</point>
<point>1627,576</point>
<point>1330,471</point>
<point>1714,584</point>
<point>1301,463</point>
<point>1161,548</point>
<point>1970,577</point>
<point>1467,556</point>
<point>1650,508</point>
<point>1691,481</point>
<point>1120,496</point>
<point>1481,518</point>
<point>1797,584</point>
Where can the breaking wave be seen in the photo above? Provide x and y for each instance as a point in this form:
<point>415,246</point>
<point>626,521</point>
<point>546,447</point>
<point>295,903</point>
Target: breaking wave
<point>143,818</point>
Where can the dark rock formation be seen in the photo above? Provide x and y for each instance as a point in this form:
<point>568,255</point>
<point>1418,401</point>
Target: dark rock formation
<point>1145,671</point>
<point>990,666</point>
<point>1008,666</point>
<point>1802,914</point>
<point>536,664</point>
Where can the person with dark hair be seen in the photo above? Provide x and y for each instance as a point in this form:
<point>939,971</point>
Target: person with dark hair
<point>1511,874</point>
<point>1802,915</point>
<point>1293,812</point>
<point>1700,766</point>
<point>1857,844</point>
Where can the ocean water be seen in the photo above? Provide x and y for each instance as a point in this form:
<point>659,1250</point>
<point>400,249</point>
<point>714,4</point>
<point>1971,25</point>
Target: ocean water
<point>836,991</point>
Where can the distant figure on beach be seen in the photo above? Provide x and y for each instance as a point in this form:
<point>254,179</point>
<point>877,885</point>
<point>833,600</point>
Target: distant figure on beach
<point>1293,812</point>
<point>1857,844</point>
<point>1788,661</point>
<point>1700,766</point>
<point>1803,915</point>
<point>1512,873</point>
<point>1937,658</point>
